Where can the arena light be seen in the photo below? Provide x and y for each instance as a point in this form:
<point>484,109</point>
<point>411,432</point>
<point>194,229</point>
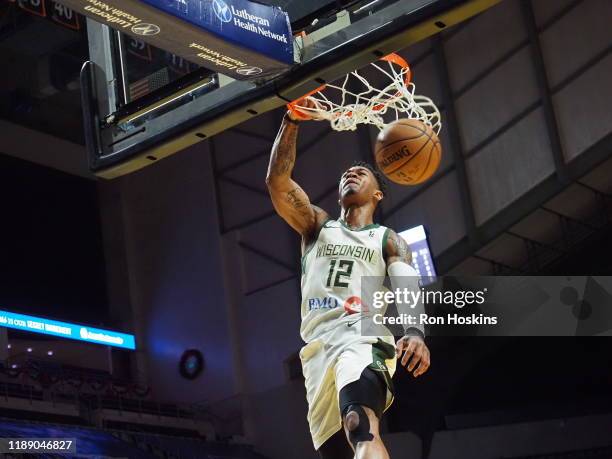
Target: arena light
<point>422,260</point>
<point>66,330</point>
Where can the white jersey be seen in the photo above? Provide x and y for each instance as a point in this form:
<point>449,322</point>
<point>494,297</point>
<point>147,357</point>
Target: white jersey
<point>332,270</point>
<point>337,350</point>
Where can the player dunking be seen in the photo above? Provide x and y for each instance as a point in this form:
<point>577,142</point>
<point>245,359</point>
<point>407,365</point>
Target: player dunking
<point>347,375</point>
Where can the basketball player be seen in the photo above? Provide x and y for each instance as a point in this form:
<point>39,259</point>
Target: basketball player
<point>347,375</point>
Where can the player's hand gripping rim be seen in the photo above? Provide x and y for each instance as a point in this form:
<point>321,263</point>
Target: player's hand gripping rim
<point>416,357</point>
<point>295,114</point>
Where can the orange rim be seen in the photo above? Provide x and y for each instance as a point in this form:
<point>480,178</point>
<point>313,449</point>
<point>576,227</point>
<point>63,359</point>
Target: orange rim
<point>397,60</point>
<point>403,63</point>
<point>292,106</point>
<point>393,58</point>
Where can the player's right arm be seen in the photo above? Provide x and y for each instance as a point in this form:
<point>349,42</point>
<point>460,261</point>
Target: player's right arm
<point>289,199</point>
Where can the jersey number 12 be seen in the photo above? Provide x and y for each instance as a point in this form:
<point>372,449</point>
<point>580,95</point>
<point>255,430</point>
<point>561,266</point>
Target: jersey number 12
<point>338,271</point>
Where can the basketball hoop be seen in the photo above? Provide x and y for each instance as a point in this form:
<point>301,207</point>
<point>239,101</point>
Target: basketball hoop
<point>377,104</point>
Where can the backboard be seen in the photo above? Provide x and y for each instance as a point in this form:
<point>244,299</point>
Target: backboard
<point>142,103</point>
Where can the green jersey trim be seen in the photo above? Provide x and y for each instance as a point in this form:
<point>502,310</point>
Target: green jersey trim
<point>314,242</point>
<point>382,351</point>
<point>364,228</point>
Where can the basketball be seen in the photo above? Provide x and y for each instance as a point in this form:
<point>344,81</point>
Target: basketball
<point>408,151</point>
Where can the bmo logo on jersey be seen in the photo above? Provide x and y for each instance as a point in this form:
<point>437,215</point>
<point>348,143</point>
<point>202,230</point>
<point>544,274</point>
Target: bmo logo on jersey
<point>327,302</point>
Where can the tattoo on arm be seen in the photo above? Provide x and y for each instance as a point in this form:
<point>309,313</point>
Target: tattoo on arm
<point>298,200</point>
<point>282,159</point>
<point>399,248</point>
<point>294,198</point>
<point>288,198</point>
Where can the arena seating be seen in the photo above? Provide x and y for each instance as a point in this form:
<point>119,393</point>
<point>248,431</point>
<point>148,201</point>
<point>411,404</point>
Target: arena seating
<point>104,422</point>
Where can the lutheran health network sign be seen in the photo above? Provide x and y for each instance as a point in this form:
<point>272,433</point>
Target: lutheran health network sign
<point>239,38</point>
<point>250,22</point>
<point>66,330</point>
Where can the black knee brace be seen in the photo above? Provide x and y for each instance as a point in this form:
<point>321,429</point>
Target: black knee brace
<point>358,424</point>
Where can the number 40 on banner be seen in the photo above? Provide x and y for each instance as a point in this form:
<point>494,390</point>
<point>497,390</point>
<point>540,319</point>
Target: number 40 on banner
<point>53,10</point>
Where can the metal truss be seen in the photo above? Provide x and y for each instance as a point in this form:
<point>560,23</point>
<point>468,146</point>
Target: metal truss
<point>542,255</point>
<point>457,147</point>
<point>545,92</point>
<point>500,268</point>
<point>575,230</point>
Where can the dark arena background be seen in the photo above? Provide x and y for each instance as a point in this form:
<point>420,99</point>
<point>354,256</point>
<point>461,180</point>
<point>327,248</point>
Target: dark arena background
<point>136,214</point>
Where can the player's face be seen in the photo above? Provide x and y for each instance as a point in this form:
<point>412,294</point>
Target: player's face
<point>357,184</point>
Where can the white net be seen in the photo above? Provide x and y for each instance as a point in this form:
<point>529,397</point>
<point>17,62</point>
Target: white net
<point>355,100</point>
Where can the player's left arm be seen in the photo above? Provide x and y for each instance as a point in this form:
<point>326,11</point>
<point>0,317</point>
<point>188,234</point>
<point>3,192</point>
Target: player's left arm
<point>403,276</point>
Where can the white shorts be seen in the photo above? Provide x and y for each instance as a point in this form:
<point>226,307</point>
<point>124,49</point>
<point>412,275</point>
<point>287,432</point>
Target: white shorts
<point>335,360</point>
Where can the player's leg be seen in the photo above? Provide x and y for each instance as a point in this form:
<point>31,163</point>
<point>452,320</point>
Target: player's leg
<point>324,418</point>
<point>336,448</point>
<point>362,403</point>
<point>368,446</point>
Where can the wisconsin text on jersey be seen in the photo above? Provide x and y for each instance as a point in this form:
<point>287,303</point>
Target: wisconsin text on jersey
<point>346,250</point>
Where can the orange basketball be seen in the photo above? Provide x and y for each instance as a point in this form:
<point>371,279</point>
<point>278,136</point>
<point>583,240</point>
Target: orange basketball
<point>408,151</point>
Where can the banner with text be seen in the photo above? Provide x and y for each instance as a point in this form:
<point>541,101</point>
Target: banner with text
<point>66,330</point>
<point>239,38</point>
